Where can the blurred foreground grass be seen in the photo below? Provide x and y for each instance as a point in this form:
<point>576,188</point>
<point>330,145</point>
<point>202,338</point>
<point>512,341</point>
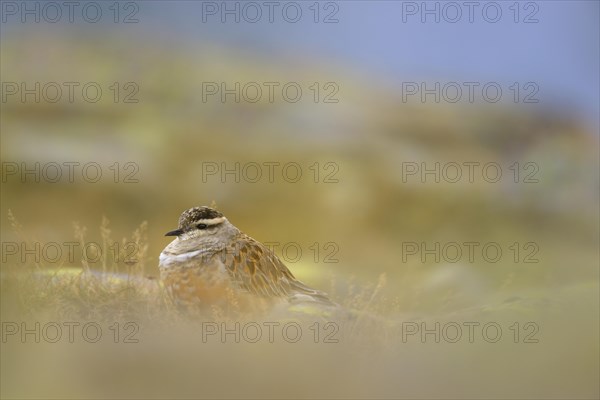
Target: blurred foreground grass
<point>373,347</point>
<point>368,214</point>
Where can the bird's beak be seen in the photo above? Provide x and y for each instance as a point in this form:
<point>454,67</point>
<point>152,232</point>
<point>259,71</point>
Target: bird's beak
<point>176,232</point>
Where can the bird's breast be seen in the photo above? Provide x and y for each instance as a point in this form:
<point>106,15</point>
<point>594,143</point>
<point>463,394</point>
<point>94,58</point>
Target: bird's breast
<point>167,258</point>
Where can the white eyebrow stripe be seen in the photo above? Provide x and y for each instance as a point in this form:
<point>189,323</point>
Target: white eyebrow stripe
<point>212,221</point>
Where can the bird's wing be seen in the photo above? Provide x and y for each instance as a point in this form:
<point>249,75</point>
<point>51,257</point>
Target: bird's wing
<point>256,269</point>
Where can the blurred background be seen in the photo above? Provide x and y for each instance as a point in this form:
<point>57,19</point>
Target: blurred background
<point>377,109</point>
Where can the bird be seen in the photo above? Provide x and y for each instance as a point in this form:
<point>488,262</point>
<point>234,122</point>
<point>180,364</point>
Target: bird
<point>211,263</point>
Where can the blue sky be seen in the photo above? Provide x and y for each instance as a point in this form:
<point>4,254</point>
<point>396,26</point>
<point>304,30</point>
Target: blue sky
<point>560,52</point>
<point>387,40</point>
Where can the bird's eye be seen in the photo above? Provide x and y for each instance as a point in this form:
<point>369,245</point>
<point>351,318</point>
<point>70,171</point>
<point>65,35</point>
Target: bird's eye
<point>201,226</point>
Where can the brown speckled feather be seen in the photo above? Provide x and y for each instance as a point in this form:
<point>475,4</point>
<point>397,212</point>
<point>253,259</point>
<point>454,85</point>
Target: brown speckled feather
<point>256,269</point>
<point>212,263</point>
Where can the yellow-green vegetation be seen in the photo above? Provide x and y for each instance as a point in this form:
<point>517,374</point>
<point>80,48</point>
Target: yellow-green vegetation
<point>360,223</point>
<point>373,344</point>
